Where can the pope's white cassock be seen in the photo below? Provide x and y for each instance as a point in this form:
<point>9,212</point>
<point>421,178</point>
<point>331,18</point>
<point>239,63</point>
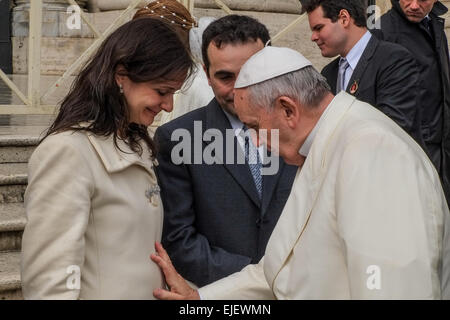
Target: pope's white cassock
<point>364,220</point>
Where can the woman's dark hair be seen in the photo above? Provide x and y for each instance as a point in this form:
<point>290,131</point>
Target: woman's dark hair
<point>331,9</point>
<point>149,50</point>
<point>232,29</point>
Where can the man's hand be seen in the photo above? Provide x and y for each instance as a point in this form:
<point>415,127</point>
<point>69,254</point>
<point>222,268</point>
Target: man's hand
<point>179,288</point>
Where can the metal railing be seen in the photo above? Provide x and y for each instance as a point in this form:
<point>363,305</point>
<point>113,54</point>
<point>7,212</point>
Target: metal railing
<point>33,99</point>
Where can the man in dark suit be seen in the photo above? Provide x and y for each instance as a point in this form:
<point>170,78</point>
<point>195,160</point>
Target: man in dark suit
<point>218,217</point>
<point>382,74</point>
<point>418,27</point>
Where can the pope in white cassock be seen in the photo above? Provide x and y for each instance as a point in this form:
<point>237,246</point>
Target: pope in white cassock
<point>366,217</point>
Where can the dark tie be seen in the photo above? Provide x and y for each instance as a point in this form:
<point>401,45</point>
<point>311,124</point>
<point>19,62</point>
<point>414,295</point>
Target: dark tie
<point>426,22</point>
<point>254,162</point>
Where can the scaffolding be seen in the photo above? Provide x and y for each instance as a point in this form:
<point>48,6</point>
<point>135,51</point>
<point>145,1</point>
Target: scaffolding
<point>32,101</point>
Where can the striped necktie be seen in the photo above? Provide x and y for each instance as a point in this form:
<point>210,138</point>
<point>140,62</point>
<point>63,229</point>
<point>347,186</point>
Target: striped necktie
<point>254,162</point>
<point>343,65</point>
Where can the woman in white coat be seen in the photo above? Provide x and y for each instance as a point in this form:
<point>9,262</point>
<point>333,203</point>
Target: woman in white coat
<point>92,203</point>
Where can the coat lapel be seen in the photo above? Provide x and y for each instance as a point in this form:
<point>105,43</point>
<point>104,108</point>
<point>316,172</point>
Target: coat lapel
<point>362,65</point>
<point>217,122</point>
<point>115,160</point>
<point>438,25</point>
<point>305,190</point>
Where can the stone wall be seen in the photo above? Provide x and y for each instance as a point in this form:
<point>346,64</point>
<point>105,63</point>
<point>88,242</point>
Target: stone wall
<point>282,6</point>
<point>61,46</point>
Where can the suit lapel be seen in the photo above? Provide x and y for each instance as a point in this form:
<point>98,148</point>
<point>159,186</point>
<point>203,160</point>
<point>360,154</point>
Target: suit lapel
<point>332,74</point>
<point>362,65</point>
<point>269,185</point>
<point>217,122</point>
<point>305,190</point>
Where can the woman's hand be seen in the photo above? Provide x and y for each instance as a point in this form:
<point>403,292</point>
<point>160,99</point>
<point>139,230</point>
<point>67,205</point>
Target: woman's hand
<point>179,288</point>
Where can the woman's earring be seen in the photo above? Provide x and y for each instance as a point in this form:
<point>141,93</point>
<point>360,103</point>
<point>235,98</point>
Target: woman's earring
<point>121,88</point>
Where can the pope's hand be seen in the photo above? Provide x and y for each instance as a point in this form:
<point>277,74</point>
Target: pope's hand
<point>179,288</point>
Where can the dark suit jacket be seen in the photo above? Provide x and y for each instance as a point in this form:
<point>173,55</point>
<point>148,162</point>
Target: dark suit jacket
<point>214,222</point>
<point>430,49</point>
<point>386,77</point>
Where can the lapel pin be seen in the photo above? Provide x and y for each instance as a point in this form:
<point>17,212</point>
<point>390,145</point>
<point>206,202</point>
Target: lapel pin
<point>354,87</point>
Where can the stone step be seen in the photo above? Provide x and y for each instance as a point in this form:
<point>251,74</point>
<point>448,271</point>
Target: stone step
<point>10,285</point>
<point>13,182</point>
<point>17,149</point>
<point>12,223</point>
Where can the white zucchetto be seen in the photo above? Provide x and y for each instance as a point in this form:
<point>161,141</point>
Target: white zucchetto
<point>270,63</point>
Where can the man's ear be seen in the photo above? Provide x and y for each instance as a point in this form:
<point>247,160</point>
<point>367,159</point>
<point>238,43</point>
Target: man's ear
<point>345,18</point>
<point>289,110</point>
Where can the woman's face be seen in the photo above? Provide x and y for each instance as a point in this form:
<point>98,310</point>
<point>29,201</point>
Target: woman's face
<point>146,99</point>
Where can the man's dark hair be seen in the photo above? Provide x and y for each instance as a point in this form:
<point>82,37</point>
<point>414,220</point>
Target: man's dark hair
<point>331,9</point>
<point>232,29</point>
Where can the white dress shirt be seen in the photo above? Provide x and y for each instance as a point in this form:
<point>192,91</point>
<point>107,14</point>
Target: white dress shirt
<point>237,126</point>
<point>354,56</point>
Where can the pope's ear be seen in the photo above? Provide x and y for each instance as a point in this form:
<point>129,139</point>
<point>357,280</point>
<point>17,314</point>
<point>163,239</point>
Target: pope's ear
<point>289,110</point>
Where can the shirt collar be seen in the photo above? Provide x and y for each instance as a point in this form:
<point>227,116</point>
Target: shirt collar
<point>236,124</point>
<point>306,147</point>
<point>358,49</point>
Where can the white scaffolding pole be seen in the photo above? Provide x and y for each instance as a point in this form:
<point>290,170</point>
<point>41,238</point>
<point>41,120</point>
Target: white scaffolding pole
<point>87,54</point>
<point>34,53</point>
<point>189,4</point>
<point>86,20</point>
<point>223,6</point>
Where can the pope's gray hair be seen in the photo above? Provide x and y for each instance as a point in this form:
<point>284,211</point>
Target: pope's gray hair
<point>306,86</point>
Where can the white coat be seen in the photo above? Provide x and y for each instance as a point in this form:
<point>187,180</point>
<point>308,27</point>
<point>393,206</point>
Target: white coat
<point>364,220</point>
<point>91,227</point>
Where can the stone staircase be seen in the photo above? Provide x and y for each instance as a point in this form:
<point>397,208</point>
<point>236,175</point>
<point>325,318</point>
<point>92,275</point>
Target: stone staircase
<point>14,154</point>
<point>19,136</point>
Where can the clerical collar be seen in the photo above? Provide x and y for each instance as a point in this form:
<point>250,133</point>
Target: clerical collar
<point>306,147</point>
